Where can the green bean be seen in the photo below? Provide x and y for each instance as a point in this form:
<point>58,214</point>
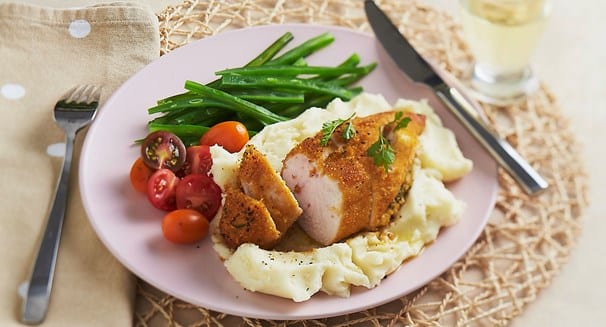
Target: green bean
<point>189,101</point>
<point>269,96</point>
<point>301,62</point>
<point>271,51</point>
<point>195,116</point>
<point>303,50</point>
<point>323,100</point>
<point>295,110</point>
<point>351,61</point>
<point>349,80</point>
<point>320,102</point>
<point>234,103</point>
<point>292,71</point>
<point>287,83</point>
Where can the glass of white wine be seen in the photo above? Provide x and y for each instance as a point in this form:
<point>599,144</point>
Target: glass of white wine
<point>502,36</point>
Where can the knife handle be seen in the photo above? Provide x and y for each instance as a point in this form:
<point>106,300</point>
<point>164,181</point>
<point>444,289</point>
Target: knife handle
<point>528,178</point>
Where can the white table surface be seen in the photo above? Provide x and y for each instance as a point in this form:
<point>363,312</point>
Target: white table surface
<point>571,59</point>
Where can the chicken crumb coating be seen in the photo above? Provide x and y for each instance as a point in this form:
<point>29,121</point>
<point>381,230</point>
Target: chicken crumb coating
<point>363,196</point>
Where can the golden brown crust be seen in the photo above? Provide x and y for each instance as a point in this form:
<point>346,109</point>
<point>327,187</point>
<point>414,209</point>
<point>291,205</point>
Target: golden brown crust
<point>351,176</point>
<point>261,182</point>
<point>389,187</point>
<point>370,194</point>
<point>246,220</point>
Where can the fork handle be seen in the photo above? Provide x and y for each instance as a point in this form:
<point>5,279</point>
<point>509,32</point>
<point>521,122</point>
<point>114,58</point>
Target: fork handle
<point>35,303</point>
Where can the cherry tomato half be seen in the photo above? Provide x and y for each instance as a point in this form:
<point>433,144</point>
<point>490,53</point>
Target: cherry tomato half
<point>139,174</point>
<point>161,189</point>
<point>231,135</point>
<point>162,149</point>
<point>199,192</point>
<point>197,161</point>
<point>184,226</point>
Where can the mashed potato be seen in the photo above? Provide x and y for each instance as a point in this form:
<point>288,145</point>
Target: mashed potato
<point>363,260</point>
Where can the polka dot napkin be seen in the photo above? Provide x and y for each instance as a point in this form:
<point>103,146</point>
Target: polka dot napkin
<point>43,53</point>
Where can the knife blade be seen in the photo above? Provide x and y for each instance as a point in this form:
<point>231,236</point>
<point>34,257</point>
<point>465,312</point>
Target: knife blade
<point>419,70</point>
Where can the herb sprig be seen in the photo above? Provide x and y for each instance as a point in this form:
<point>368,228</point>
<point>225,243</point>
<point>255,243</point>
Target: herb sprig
<point>328,128</point>
<point>381,151</point>
<point>400,122</point>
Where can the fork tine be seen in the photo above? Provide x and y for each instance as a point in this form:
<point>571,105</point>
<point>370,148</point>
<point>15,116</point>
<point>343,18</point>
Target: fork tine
<point>95,94</point>
<point>74,93</point>
<point>83,94</point>
<point>90,93</point>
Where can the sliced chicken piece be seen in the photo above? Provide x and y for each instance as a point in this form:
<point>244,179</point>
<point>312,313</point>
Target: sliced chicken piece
<point>338,186</point>
<point>260,208</point>
<point>260,181</point>
<point>246,220</point>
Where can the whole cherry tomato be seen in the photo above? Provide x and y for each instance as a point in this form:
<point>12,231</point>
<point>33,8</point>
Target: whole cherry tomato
<point>231,135</point>
<point>139,175</point>
<point>184,226</point>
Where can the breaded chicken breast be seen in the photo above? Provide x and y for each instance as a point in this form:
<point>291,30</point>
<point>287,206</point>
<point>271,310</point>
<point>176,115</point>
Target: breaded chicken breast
<point>340,188</point>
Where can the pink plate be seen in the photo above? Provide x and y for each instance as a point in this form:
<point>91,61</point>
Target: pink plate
<point>130,227</point>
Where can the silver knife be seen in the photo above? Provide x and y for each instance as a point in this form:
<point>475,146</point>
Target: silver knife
<point>420,71</point>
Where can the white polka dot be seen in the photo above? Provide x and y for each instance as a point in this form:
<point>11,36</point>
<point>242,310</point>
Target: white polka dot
<point>22,290</point>
<point>12,91</point>
<point>56,150</point>
<point>79,28</point>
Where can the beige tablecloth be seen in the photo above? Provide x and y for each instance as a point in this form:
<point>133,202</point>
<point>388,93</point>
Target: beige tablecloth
<point>44,52</point>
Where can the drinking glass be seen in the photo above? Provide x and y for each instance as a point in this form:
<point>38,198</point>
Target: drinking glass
<point>502,36</point>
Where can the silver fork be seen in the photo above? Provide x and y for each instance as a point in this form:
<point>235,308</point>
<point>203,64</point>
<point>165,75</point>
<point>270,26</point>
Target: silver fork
<point>73,112</point>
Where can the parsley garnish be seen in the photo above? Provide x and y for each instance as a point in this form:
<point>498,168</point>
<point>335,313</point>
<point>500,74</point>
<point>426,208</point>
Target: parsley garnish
<point>328,128</point>
<point>349,130</point>
<point>400,122</point>
<point>381,151</point>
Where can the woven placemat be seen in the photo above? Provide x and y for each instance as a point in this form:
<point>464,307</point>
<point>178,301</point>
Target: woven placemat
<point>526,240</point>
